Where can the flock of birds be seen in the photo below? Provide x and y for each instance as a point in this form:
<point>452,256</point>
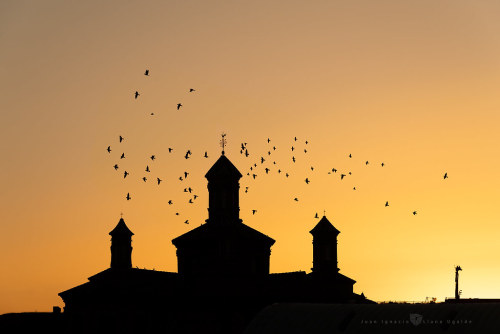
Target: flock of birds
<point>179,105</point>
<point>261,165</point>
<point>147,171</point>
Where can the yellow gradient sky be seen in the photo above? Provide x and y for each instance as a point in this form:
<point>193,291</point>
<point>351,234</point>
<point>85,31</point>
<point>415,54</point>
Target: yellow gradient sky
<point>413,84</point>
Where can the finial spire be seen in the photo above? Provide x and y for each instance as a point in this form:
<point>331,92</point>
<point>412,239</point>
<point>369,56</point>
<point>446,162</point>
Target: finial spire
<point>324,213</point>
<point>121,214</point>
<point>223,142</point>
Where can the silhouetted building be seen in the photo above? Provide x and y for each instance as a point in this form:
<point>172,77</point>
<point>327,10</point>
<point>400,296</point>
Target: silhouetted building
<point>324,248</point>
<point>224,246</point>
<point>121,246</point>
<point>223,276</point>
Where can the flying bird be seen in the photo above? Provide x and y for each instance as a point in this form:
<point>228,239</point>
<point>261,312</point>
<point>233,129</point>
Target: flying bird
<point>334,170</point>
<point>179,105</point>
<point>115,167</point>
<point>342,176</point>
<point>206,155</point>
<point>262,160</point>
<point>305,151</point>
<point>382,164</point>
<point>366,163</point>
<point>144,179</point>
<point>190,190</point>
<point>195,196</point>
<point>246,153</point>
<point>128,197</point>
<point>295,138</point>
<point>186,222</point>
<point>293,159</point>
<point>109,149</point>
<point>267,170</point>
<point>125,174</point>
<point>286,175</point>
<point>312,168</point>
<point>354,188</point>
<point>190,201</point>
<point>293,148</point>
<point>254,176</point>
<point>268,140</point>
<point>170,202</point>
<point>146,73</point>
<point>296,199</point>
<point>307,180</point>
<point>445,176</point>
<point>122,156</point>
<point>186,175</point>
<point>170,150</point>
<point>350,156</point>
<point>246,189</point>
<point>121,139</point>
<point>153,157</point>
<point>387,203</point>
<point>180,178</point>
<point>191,90</point>
<point>136,94</point>
<point>177,213</point>
<point>147,169</point>
<point>307,142</point>
<point>254,211</point>
<point>414,213</point>
<point>159,180</point>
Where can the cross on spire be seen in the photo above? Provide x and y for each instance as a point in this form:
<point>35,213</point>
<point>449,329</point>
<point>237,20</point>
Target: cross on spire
<point>223,142</point>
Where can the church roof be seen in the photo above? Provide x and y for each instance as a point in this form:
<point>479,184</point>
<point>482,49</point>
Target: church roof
<point>235,230</point>
<point>324,227</point>
<point>223,168</point>
<point>121,229</point>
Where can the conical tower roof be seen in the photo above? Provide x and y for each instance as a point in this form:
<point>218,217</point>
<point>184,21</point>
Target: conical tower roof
<point>324,227</point>
<point>121,229</point>
<point>223,168</point>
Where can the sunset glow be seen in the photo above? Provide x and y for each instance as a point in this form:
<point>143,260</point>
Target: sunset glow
<point>413,85</point>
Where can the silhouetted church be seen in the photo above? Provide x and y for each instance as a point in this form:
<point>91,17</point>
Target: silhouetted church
<point>223,276</point>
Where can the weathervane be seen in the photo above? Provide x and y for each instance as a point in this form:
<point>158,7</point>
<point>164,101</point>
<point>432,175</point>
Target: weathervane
<point>223,142</point>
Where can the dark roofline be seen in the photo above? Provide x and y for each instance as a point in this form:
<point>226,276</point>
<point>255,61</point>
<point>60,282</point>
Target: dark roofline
<point>324,225</point>
<point>121,228</point>
<point>223,167</point>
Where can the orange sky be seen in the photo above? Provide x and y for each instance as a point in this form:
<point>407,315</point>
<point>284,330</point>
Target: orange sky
<point>413,84</point>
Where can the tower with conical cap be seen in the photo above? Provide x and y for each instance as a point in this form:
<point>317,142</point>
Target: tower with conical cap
<point>324,248</point>
<point>121,246</point>
<point>223,192</point>
<point>224,246</point>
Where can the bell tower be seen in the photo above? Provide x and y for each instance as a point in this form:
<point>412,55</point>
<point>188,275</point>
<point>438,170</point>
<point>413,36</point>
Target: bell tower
<point>121,246</point>
<point>223,191</point>
<point>325,248</point>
